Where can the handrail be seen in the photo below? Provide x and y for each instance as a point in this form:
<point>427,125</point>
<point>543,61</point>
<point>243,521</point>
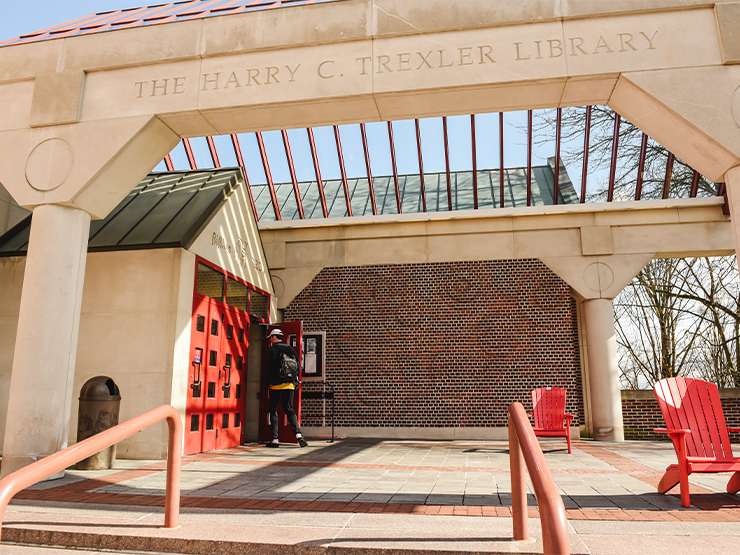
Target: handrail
<point>523,447</point>
<point>37,471</point>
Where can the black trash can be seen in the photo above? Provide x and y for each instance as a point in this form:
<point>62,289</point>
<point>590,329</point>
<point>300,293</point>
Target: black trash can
<point>100,402</point>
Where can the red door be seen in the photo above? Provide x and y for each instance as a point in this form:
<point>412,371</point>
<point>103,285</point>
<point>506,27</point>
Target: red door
<point>293,336</point>
<point>216,396</point>
<point>232,384</point>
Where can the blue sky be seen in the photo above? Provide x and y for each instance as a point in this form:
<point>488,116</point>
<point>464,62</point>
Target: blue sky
<point>26,16</point>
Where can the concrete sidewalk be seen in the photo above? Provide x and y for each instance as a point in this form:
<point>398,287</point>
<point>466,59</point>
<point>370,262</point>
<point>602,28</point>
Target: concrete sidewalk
<point>401,497</point>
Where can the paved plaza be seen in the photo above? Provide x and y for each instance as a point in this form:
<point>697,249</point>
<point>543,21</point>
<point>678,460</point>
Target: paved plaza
<point>358,496</point>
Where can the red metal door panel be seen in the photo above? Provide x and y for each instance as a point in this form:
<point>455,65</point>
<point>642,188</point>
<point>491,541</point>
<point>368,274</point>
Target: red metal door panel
<point>194,413</point>
<point>232,385</point>
<point>205,349</point>
<point>216,397</point>
<point>212,369</point>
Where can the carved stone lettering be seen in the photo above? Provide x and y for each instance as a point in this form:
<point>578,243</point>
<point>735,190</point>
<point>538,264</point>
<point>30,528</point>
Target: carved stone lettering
<point>160,87</point>
<point>386,63</point>
<point>582,46</point>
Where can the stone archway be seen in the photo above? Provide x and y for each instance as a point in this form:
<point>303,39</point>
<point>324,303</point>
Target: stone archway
<point>85,117</point>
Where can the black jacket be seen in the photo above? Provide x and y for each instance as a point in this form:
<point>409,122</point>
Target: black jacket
<point>273,361</point>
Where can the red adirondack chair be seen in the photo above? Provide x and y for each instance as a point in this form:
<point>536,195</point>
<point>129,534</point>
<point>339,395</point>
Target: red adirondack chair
<point>550,419</point>
<point>696,425</point>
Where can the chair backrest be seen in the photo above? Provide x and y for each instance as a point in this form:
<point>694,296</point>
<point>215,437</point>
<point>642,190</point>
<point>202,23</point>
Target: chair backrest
<point>687,403</point>
<point>548,408</point>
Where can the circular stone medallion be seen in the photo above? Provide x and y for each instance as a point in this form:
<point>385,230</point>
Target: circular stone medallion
<point>735,106</point>
<point>598,276</point>
<point>49,164</point>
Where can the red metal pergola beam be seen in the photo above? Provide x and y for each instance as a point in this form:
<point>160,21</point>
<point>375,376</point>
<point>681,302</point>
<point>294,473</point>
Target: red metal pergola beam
<point>369,170</point>
<point>291,167</point>
<point>586,146</point>
<point>447,163</point>
<point>530,132</point>
<point>168,163</point>
<point>212,150</point>
<point>558,129</point>
<point>268,175</point>
<point>189,154</point>
<point>613,167</point>
<point>475,162</point>
<point>395,168</point>
<point>501,156</point>
<point>695,184</point>
<point>668,174</point>
<point>240,161</point>
<point>421,166</point>
<point>345,185</point>
<point>317,170</point>
<point>641,166</point>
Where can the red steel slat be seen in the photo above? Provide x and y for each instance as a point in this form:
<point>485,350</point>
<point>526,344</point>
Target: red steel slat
<point>668,175</point>
<point>530,132</point>
<point>641,166</point>
<point>447,163</point>
<point>695,184</point>
<point>268,175</point>
<point>369,171</point>
<point>586,146</point>
<point>240,161</point>
<point>558,131</point>
<point>317,170</point>
<point>291,167</point>
<point>613,166</point>
<point>213,151</point>
<point>395,168</point>
<point>475,162</point>
<point>345,185</point>
<point>189,153</point>
<point>168,163</point>
<point>501,156</point>
<point>421,166</point>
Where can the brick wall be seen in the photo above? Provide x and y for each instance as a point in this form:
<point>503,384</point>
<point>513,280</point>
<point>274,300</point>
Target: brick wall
<point>641,414</point>
<point>440,345</point>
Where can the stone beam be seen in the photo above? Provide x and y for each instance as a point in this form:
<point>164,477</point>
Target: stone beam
<point>90,165</point>
<point>366,60</point>
<point>595,248</point>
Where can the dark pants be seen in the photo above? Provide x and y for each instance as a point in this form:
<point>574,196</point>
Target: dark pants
<point>284,396</point>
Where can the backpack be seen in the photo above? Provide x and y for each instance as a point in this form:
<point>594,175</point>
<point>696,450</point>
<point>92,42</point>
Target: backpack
<point>288,369</point>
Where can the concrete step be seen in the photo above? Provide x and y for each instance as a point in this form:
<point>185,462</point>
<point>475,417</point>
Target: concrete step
<point>226,532</point>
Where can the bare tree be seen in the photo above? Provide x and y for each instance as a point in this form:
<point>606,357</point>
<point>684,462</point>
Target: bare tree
<point>678,316</point>
<point>711,286</point>
<point>656,332</point>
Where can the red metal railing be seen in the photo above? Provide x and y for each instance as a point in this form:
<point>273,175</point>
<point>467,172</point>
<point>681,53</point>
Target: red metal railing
<point>33,473</point>
<point>523,448</point>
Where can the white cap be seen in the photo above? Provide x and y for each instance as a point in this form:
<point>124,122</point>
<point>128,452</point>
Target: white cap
<point>275,332</point>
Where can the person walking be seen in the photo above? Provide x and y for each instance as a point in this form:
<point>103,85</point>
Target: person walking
<point>282,386</point>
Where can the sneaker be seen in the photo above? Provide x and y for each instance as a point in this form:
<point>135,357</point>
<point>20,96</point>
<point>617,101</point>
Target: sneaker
<point>302,442</point>
<point>273,445</point>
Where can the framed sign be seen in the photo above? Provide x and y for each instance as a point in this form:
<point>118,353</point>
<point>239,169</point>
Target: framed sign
<point>314,355</point>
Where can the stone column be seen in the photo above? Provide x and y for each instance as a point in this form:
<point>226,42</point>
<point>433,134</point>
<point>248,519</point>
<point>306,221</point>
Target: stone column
<point>601,343</point>
<point>46,343</point>
<point>732,183</point>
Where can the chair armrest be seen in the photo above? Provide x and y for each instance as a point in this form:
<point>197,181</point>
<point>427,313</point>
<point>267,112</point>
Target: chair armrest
<point>671,431</point>
<point>568,418</point>
<point>733,429</point>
